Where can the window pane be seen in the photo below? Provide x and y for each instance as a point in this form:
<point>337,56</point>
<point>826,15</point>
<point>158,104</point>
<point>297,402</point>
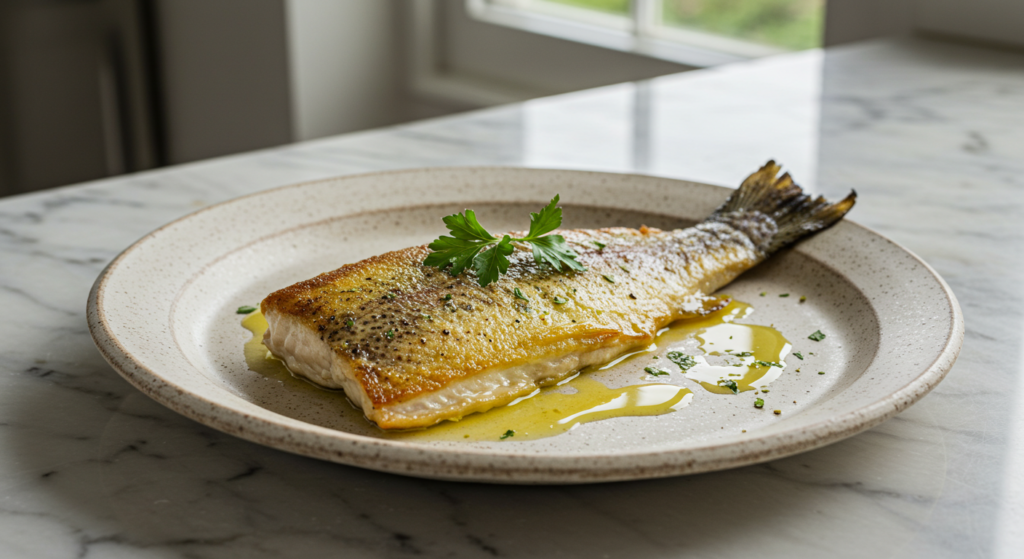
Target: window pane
<point>611,6</point>
<point>794,24</point>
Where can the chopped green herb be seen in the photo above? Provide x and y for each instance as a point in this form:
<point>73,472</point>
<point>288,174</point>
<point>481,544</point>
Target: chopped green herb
<point>246,310</point>
<point>654,371</point>
<point>390,334</point>
<point>758,403</point>
<point>426,317</point>
<point>767,364</point>
<point>803,298</point>
<point>350,323</point>
<point>783,294</point>
<point>731,385</point>
<point>821,372</point>
<point>683,360</point>
<point>389,295</point>
<point>507,434</point>
<point>798,355</point>
<point>610,279</point>
<point>519,294</point>
<point>599,245</point>
<point>473,246</point>
<point>777,412</point>
<point>763,293</point>
<point>764,391</point>
<point>560,301</point>
<point>816,336</point>
<point>624,268</point>
<point>744,354</point>
<point>448,297</point>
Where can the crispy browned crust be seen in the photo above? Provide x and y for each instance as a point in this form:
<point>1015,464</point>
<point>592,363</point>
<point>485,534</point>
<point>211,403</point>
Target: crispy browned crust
<point>390,318</point>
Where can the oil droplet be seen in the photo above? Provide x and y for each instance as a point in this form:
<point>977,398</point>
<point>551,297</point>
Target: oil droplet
<point>548,412</point>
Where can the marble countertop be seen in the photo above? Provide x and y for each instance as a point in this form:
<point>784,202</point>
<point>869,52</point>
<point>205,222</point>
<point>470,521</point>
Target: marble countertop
<point>932,137</point>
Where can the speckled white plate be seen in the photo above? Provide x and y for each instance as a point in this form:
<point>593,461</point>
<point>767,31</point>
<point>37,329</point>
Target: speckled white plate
<point>163,315</point>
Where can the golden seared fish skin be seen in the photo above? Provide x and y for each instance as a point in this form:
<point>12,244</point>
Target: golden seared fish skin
<point>413,346</point>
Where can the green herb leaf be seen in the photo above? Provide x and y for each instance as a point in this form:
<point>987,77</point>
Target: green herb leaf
<point>507,434</point>
<point>783,294</point>
<point>246,310</point>
<point>472,246</point>
<point>803,298</point>
<point>683,360</point>
<point>763,293</point>
<point>624,268</point>
<point>816,336</point>
<point>350,323</point>
<point>560,301</point>
<point>459,253</point>
<point>390,334</point>
<point>798,355</point>
<point>609,279</point>
<point>493,262</point>
<point>654,371</point>
<point>821,372</point>
<point>519,294</point>
<point>467,228</point>
<point>553,250</point>
<point>731,385</point>
<point>546,221</point>
<point>599,245</point>
<point>758,403</point>
<point>744,354</point>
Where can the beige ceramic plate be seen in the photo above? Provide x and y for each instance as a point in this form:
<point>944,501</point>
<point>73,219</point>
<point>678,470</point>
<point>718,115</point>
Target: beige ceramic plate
<point>163,314</point>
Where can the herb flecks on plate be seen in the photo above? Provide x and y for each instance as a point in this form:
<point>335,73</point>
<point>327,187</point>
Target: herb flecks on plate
<point>247,309</point>
<point>683,360</point>
<point>816,336</point>
<point>731,385</point>
<point>472,246</point>
<point>656,372</point>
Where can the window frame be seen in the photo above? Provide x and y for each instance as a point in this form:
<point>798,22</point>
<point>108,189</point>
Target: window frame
<point>639,33</point>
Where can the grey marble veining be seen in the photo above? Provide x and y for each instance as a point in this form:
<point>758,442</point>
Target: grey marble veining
<point>931,135</point>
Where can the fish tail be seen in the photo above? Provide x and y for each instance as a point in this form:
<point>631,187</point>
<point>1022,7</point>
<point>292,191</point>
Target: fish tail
<point>792,214</point>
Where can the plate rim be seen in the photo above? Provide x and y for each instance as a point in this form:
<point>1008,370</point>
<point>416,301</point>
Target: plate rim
<point>552,467</point>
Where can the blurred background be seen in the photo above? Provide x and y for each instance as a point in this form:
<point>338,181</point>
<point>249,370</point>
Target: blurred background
<point>96,88</point>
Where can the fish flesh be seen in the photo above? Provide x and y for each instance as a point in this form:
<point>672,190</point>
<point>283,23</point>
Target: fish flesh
<point>412,346</point>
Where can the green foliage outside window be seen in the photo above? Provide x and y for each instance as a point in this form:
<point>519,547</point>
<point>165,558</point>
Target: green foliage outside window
<point>792,24</point>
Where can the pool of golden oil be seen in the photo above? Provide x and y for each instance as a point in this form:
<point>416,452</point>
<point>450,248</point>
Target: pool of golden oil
<point>750,355</point>
<point>579,399</point>
<point>550,411</point>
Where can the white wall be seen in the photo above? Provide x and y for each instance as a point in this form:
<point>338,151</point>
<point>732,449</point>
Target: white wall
<point>345,65</point>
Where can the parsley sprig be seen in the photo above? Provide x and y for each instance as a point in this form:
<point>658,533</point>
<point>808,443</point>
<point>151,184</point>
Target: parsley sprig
<point>472,246</point>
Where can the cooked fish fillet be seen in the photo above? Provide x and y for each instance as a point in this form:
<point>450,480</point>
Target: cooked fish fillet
<point>412,345</point>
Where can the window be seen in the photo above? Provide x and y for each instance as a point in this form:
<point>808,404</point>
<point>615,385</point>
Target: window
<point>693,32</point>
